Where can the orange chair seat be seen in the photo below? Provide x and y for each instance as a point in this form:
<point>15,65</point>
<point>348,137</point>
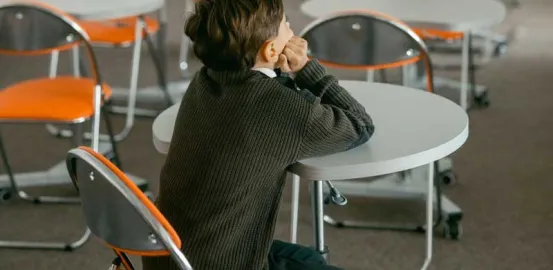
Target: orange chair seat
<point>62,99</point>
<point>436,33</point>
<point>118,32</point>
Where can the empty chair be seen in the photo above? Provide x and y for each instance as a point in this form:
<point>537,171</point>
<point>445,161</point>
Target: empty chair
<point>122,33</point>
<point>34,29</point>
<point>119,213</point>
<point>365,40</point>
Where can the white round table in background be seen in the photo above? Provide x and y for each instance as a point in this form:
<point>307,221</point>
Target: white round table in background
<point>102,9</point>
<point>412,128</point>
<point>451,15</point>
<point>162,128</point>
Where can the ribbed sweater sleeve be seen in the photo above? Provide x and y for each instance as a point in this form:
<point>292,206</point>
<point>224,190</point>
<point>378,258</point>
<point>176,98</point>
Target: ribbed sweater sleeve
<point>338,123</point>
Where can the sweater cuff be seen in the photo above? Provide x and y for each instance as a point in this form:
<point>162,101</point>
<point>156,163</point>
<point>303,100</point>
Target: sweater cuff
<point>310,74</point>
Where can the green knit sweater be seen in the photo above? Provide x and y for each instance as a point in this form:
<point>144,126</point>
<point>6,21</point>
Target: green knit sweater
<point>235,135</point>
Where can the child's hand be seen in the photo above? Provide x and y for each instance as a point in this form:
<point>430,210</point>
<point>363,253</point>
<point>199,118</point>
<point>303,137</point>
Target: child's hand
<point>294,57</point>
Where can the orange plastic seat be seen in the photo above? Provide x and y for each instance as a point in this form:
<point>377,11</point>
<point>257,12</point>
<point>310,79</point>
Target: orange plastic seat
<point>119,32</point>
<point>62,99</point>
<point>437,33</point>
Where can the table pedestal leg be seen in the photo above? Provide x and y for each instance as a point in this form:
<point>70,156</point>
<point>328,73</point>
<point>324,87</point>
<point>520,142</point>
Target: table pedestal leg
<point>318,215</point>
<point>429,215</point>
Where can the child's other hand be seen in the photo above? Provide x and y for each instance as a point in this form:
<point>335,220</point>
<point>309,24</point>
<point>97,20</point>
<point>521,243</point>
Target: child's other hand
<point>294,57</point>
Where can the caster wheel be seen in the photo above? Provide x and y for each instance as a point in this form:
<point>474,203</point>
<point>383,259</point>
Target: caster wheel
<point>482,100</point>
<point>5,195</point>
<point>447,177</point>
<point>452,228</point>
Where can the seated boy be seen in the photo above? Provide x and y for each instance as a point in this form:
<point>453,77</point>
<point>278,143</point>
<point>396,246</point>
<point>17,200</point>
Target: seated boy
<point>237,131</point>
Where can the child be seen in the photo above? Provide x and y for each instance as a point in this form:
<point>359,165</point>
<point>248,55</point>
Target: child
<point>237,131</point>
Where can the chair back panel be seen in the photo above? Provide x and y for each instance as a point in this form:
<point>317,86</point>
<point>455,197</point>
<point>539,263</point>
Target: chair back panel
<point>115,209</point>
<point>31,28</point>
<point>360,39</point>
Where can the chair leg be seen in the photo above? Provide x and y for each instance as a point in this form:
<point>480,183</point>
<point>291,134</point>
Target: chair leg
<point>116,264</point>
<point>295,208</point>
<point>75,61</point>
<point>122,260</point>
<point>135,69</point>
<point>378,226</point>
<point>78,71</point>
<point>37,200</point>
<point>156,56</point>
<point>54,59</point>
<point>130,110</point>
<point>17,191</point>
<point>115,154</point>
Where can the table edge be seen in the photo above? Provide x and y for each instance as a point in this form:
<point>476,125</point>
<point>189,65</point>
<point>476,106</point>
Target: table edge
<point>310,172</point>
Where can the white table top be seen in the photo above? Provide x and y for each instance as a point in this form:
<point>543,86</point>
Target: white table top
<point>413,128</point>
<point>162,129</point>
<point>452,15</point>
<point>102,9</point>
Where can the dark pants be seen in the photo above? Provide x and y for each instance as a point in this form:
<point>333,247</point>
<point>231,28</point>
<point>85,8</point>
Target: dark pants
<point>287,256</point>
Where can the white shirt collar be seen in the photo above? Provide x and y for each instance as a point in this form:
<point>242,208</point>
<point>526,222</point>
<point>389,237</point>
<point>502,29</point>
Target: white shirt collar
<point>267,71</point>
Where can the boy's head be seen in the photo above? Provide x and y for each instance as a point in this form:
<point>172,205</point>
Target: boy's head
<point>231,35</point>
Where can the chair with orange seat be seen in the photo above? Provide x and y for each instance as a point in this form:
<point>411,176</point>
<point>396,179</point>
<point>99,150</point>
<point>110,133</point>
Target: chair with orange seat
<point>375,47</point>
<point>364,40</point>
<point>28,29</point>
<point>123,33</point>
<point>119,213</point>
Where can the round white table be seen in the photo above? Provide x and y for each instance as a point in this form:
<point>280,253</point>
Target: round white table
<point>104,9</point>
<point>452,15</point>
<point>413,128</point>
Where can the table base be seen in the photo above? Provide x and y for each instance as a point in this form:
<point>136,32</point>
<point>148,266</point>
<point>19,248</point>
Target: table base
<point>317,206</point>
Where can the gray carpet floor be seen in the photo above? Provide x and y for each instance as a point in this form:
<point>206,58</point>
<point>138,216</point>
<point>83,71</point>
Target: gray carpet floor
<point>504,169</point>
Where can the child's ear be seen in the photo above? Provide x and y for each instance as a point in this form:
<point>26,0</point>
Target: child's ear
<point>269,52</point>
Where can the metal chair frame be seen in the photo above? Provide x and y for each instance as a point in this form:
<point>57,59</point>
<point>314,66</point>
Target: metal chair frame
<point>100,172</point>
<point>80,36</point>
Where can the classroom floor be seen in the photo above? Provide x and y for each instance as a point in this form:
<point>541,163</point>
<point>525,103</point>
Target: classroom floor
<point>504,170</point>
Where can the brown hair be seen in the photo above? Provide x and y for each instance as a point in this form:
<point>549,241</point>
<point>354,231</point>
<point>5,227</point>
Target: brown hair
<point>228,34</point>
